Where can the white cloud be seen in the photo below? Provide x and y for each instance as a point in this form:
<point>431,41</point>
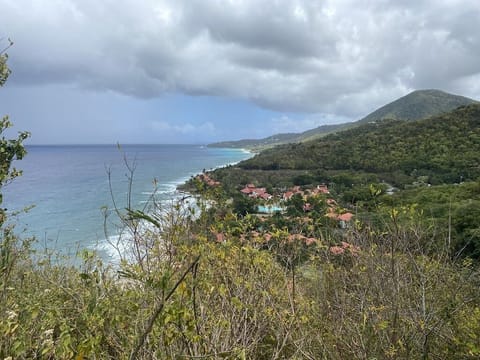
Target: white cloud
<point>165,128</point>
<point>340,57</point>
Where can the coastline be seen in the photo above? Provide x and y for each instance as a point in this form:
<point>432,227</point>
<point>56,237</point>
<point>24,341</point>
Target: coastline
<point>69,187</point>
<point>178,193</point>
<point>184,180</point>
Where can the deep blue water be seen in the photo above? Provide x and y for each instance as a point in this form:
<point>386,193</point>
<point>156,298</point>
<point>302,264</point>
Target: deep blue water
<point>69,186</point>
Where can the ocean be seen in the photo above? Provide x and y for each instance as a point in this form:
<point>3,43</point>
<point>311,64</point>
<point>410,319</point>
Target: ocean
<point>68,186</point>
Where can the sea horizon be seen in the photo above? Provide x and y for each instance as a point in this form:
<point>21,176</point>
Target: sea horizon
<point>70,189</point>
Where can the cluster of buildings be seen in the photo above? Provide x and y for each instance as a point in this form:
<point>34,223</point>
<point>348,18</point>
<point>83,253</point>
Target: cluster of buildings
<point>205,178</point>
<point>333,213</point>
<point>343,218</point>
<point>261,193</point>
<point>256,193</point>
<point>320,189</point>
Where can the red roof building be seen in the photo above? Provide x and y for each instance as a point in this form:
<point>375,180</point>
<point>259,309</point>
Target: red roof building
<point>246,190</point>
<point>288,195</point>
<point>345,217</point>
<point>255,192</point>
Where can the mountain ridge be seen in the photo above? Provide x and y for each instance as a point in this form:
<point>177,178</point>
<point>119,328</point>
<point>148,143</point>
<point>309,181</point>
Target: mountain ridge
<point>442,148</point>
<point>416,105</point>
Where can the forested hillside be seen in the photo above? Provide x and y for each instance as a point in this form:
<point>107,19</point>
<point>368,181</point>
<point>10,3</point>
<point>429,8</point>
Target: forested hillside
<point>414,106</point>
<point>279,139</point>
<point>418,105</point>
<point>444,148</point>
<point>256,143</point>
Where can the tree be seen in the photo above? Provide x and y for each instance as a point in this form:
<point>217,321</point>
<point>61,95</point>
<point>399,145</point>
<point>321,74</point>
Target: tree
<point>4,70</point>
<point>10,149</point>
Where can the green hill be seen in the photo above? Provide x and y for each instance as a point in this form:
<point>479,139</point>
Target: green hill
<point>443,148</point>
<point>416,105</point>
<point>257,143</point>
<point>279,139</point>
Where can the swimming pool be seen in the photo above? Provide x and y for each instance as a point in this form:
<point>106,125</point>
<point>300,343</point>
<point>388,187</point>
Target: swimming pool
<point>269,209</point>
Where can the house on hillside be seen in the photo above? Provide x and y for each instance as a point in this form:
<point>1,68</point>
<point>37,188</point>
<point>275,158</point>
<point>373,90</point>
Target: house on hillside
<point>320,189</point>
<point>255,193</point>
<point>293,191</point>
<point>287,195</point>
<point>343,219</point>
<point>205,178</point>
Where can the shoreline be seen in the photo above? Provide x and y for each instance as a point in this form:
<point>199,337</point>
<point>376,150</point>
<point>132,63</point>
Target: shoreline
<point>79,173</point>
<point>176,194</point>
<point>184,179</point>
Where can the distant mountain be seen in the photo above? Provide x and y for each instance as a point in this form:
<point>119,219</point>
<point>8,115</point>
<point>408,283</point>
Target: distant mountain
<point>279,139</point>
<point>416,105</point>
<point>256,143</point>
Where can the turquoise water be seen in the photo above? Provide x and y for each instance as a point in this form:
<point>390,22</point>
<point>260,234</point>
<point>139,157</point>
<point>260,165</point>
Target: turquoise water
<point>69,186</point>
<point>269,209</point>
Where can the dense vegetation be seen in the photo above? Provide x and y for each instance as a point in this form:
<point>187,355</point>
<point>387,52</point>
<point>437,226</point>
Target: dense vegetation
<point>278,139</point>
<point>426,159</point>
<point>418,105</point>
<point>414,106</point>
<point>443,148</point>
<point>256,143</point>
<point>191,297</point>
<point>209,282</point>
<point>453,208</point>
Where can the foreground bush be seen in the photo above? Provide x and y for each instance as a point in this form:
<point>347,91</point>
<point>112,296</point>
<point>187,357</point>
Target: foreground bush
<point>196,298</point>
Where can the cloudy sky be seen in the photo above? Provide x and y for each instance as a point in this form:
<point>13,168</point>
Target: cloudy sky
<point>196,71</point>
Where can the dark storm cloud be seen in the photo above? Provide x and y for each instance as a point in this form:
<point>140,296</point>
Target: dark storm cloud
<point>341,57</point>
<point>287,28</point>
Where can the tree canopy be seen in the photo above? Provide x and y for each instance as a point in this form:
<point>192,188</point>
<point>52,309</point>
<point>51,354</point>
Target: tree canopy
<point>10,149</point>
<point>443,148</point>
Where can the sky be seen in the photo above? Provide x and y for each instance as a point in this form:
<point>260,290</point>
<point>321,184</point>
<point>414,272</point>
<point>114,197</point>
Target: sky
<point>199,71</point>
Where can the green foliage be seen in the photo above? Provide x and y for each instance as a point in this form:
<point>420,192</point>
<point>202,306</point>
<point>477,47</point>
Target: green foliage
<point>444,149</point>
<point>467,227</point>
<point>10,149</point>
<point>4,70</point>
<point>414,106</point>
<point>453,209</point>
<point>193,297</point>
<point>418,105</point>
<point>304,179</point>
<point>243,205</point>
<point>279,139</point>
<point>399,305</point>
